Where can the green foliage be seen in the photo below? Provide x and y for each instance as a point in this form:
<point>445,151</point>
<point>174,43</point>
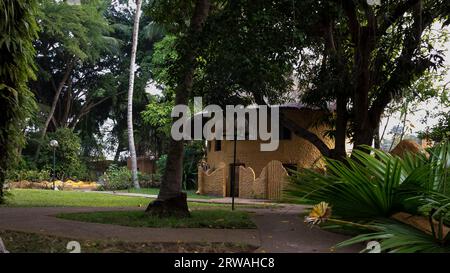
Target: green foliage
<point>400,238</point>
<point>363,188</point>
<point>69,163</point>
<point>80,30</point>
<point>148,180</point>
<point>378,185</point>
<point>372,187</point>
<point>117,178</point>
<point>77,40</point>
<point>28,175</point>
<point>402,59</point>
<point>247,53</point>
<point>210,218</point>
<point>163,58</point>
<point>46,198</point>
<point>440,131</point>
<point>157,114</point>
<point>17,31</point>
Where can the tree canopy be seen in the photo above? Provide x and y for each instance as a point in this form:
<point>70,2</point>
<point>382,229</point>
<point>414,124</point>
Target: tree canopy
<point>18,29</point>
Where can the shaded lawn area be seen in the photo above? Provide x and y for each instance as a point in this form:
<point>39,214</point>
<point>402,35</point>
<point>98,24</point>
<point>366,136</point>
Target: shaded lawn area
<point>22,242</point>
<point>50,198</point>
<point>155,191</point>
<point>210,218</point>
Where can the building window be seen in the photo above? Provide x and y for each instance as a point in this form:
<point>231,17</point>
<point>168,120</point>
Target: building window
<point>285,133</point>
<point>218,145</point>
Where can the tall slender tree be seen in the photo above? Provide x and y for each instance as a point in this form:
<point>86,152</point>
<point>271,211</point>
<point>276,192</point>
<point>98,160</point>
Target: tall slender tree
<point>131,145</point>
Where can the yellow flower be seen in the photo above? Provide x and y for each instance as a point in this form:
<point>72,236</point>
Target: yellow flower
<point>319,214</point>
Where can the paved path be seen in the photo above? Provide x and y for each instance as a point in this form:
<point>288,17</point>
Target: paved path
<point>42,220</point>
<point>283,230</point>
<point>279,229</point>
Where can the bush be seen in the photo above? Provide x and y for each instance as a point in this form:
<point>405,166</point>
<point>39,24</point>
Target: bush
<point>69,163</point>
<point>28,175</point>
<point>148,180</point>
<point>117,178</point>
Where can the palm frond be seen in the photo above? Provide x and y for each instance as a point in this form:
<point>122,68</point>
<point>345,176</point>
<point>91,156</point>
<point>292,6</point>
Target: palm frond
<point>400,238</point>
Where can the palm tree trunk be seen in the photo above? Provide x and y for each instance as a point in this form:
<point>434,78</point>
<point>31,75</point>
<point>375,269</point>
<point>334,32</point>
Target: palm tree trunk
<point>131,145</point>
<point>171,200</point>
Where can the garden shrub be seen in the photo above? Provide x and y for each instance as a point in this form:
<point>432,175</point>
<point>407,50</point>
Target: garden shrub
<point>148,180</point>
<point>69,163</point>
<point>28,175</point>
<point>117,178</point>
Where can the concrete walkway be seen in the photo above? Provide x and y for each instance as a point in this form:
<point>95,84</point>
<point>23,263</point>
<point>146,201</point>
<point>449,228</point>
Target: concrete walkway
<point>43,220</point>
<point>282,230</point>
<point>279,229</point>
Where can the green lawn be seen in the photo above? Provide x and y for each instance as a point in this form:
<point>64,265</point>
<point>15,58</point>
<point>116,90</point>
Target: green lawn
<point>22,242</point>
<point>49,198</point>
<point>155,191</point>
<point>210,218</point>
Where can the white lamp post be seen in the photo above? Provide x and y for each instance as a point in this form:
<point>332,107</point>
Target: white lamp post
<point>54,144</point>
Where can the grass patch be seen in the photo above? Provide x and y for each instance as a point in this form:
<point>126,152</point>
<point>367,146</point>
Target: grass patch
<point>155,191</point>
<point>22,242</point>
<point>49,198</point>
<point>211,218</point>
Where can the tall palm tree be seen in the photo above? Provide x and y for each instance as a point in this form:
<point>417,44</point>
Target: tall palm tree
<point>131,145</point>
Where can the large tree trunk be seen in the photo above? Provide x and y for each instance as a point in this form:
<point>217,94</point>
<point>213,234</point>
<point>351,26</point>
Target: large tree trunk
<point>118,151</point>
<point>171,200</point>
<point>52,109</point>
<point>131,145</point>
<point>339,152</point>
<point>377,138</point>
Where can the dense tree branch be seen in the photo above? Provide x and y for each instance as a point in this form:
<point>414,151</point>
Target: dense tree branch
<point>54,103</point>
<point>88,107</point>
<point>398,12</point>
<point>350,11</point>
<point>407,61</point>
